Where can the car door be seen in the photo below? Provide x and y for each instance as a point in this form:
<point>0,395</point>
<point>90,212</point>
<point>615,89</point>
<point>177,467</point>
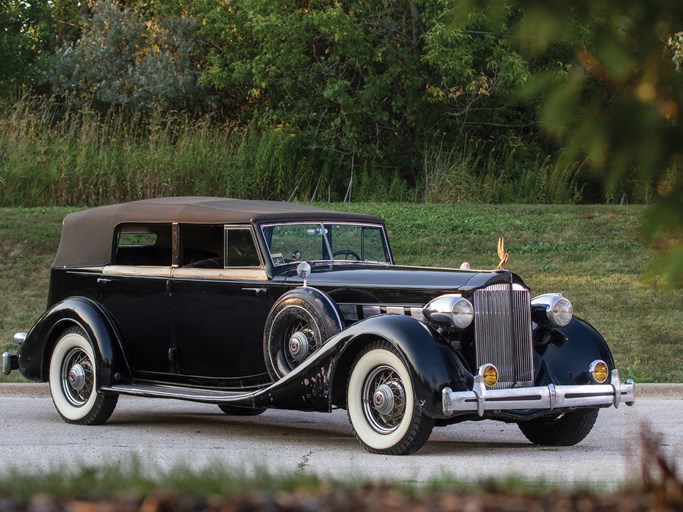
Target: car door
<point>134,291</point>
<point>220,300</point>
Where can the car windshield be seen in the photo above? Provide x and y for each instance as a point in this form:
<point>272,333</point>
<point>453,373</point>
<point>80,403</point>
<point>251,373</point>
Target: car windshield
<point>315,242</point>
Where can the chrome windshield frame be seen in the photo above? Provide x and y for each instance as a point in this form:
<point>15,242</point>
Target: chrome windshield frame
<point>328,248</point>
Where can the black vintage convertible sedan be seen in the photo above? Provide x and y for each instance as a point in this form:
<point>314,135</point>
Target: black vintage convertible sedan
<point>254,304</point>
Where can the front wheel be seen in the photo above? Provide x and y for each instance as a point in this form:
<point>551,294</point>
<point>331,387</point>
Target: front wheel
<point>73,377</point>
<point>567,429</point>
<point>381,403</point>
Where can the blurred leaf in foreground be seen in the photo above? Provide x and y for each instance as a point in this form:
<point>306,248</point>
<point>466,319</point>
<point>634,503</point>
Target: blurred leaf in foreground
<point>618,108</point>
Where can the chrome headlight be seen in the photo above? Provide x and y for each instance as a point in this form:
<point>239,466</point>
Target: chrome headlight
<point>551,309</point>
<point>449,311</point>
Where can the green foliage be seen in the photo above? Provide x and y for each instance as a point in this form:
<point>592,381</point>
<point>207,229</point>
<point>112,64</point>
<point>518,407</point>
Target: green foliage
<point>372,83</point>
<point>26,31</point>
<point>618,110</point>
<point>68,154</point>
<point>123,60</point>
<point>418,98</point>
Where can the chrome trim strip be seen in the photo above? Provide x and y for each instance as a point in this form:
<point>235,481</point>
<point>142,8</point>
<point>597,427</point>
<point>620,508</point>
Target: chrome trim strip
<point>548,397</point>
<point>177,392</point>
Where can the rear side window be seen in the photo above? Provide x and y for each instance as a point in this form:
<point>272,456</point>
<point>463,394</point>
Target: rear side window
<point>143,244</point>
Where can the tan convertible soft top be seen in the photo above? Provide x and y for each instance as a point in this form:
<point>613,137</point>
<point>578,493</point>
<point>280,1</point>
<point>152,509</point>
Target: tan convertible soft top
<point>87,236</point>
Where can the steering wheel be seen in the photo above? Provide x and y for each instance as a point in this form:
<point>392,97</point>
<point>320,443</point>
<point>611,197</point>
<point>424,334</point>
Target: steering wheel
<point>346,253</point>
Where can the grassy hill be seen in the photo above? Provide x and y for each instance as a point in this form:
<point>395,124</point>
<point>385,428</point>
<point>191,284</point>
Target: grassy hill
<point>592,254</point>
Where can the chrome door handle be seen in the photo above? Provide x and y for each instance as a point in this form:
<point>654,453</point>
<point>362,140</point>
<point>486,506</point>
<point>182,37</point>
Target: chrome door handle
<point>257,291</point>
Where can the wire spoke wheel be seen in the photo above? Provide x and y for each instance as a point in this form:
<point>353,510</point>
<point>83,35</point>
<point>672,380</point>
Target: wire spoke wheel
<point>300,338</point>
<point>78,377</point>
<point>381,403</point>
<point>384,399</point>
<point>298,324</point>
<point>73,381</point>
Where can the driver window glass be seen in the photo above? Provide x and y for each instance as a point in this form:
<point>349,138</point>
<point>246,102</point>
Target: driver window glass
<point>240,248</point>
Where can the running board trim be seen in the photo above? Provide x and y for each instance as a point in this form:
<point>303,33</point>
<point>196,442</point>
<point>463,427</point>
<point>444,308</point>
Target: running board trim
<point>185,393</point>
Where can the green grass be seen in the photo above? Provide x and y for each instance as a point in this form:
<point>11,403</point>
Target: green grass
<point>592,254</point>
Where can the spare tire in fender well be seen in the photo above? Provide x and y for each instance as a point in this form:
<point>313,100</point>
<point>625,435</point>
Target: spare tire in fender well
<point>298,324</point>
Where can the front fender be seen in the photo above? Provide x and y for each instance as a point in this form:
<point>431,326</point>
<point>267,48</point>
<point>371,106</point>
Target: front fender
<point>35,352</point>
<point>432,363</point>
<point>565,360</point>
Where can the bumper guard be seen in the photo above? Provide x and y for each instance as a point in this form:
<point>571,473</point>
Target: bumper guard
<point>548,397</point>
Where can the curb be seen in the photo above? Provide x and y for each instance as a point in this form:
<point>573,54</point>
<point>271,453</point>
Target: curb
<point>39,390</point>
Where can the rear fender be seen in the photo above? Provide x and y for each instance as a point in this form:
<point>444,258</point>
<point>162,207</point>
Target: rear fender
<point>432,363</point>
<point>35,352</point>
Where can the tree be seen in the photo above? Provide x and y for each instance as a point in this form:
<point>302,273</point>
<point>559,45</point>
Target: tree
<point>367,83</point>
<point>122,59</point>
<point>26,36</point>
<point>619,109</point>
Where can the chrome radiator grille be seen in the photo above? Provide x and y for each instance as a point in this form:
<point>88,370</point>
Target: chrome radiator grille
<point>502,333</point>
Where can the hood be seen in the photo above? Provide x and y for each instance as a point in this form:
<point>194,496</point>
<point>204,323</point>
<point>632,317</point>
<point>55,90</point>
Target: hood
<point>397,284</point>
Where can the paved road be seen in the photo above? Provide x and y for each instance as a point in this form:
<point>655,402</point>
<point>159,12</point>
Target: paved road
<point>165,433</point>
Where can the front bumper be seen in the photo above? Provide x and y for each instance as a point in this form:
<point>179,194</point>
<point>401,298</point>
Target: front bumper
<point>550,397</point>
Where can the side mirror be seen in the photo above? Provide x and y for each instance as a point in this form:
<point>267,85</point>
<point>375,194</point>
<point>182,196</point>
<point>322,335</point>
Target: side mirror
<point>303,270</point>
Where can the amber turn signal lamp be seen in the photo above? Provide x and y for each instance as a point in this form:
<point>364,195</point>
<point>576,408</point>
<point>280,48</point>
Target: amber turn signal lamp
<point>490,375</point>
<point>599,371</point>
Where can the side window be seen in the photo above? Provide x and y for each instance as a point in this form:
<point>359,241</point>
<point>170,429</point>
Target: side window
<point>201,246</point>
<point>240,248</point>
<point>143,244</point>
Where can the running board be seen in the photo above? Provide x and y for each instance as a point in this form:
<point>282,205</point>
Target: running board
<point>211,396</point>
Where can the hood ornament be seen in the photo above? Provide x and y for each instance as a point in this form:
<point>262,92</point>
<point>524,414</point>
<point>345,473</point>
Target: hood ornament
<point>501,253</point>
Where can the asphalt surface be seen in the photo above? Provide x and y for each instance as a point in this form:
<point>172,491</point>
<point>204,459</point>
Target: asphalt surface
<point>162,434</point>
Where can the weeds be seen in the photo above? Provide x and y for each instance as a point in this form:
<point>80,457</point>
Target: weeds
<point>67,153</point>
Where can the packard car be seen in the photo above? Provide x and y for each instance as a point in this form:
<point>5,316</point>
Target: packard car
<point>252,305</point>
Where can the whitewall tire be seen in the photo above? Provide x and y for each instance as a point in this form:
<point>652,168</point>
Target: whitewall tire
<point>381,403</point>
<point>73,377</point>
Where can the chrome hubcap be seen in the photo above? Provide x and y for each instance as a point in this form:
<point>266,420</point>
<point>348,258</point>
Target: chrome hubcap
<point>298,346</point>
<point>77,377</point>
<point>383,399</point>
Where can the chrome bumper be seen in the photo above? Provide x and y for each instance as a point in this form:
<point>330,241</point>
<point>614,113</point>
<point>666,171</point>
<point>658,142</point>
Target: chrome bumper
<point>548,397</point>
<point>11,361</point>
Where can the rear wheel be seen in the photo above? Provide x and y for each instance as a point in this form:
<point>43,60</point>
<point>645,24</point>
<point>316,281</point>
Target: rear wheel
<point>381,403</point>
<point>73,378</point>
<point>567,429</point>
